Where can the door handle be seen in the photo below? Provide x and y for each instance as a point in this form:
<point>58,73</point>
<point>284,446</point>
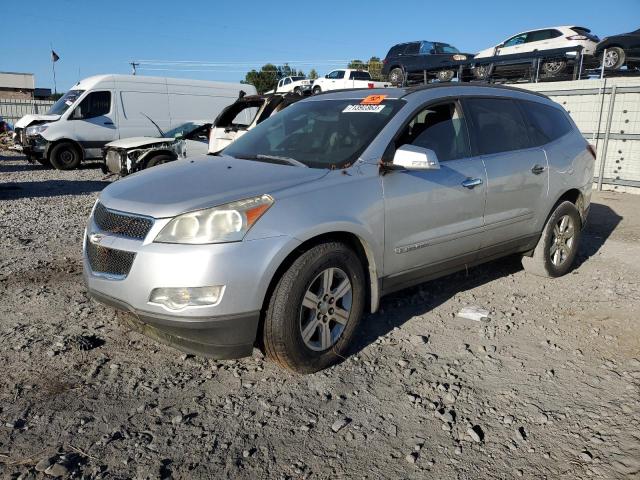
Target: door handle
<point>108,123</point>
<point>472,182</point>
<point>537,169</point>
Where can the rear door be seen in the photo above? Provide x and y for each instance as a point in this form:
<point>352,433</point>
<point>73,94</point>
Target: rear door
<point>433,218</point>
<point>94,122</point>
<point>517,171</point>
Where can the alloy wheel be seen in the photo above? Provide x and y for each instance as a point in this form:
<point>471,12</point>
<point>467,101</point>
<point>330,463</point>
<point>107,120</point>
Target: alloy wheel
<point>611,58</point>
<point>562,241</point>
<point>325,309</point>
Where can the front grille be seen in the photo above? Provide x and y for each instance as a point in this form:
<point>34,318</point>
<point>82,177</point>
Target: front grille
<point>124,225</point>
<point>109,260</point>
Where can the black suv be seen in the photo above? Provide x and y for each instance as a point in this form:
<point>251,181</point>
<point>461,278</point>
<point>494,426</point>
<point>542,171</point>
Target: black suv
<point>621,49</point>
<point>413,58</point>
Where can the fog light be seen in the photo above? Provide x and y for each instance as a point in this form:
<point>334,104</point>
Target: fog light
<point>178,298</point>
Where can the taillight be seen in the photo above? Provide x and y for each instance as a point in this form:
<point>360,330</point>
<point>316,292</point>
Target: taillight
<point>577,37</point>
<point>592,150</point>
<point>384,61</point>
<point>370,85</point>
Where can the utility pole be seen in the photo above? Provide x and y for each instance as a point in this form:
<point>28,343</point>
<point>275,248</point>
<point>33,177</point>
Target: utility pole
<point>133,67</point>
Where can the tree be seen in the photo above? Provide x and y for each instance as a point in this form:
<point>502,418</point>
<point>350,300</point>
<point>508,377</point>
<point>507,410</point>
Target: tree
<point>357,65</point>
<point>264,79</point>
<point>375,68</point>
<point>313,74</point>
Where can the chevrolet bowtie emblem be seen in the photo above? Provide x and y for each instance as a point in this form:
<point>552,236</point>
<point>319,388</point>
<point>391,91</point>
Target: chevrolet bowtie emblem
<point>96,237</point>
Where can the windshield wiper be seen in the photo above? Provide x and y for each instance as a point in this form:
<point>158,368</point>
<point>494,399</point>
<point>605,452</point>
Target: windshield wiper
<point>274,159</point>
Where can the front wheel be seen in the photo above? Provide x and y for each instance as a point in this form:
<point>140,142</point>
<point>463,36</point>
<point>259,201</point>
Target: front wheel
<point>315,309</point>
<point>158,160</point>
<point>558,244</point>
<point>553,68</point>
<point>65,156</point>
<point>316,90</point>
<point>481,72</point>
<point>445,75</point>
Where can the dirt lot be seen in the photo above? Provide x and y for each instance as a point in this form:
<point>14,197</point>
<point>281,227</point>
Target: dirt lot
<point>548,388</point>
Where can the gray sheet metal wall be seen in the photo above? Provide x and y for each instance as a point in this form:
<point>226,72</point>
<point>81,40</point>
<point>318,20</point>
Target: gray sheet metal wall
<point>607,113</point>
<point>12,109</point>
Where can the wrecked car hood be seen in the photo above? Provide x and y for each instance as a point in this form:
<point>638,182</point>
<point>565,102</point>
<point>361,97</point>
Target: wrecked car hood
<point>135,142</point>
<point>29,119</point>
<point>201,182</point>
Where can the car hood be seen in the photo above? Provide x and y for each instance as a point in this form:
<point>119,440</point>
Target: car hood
<point>29,119</point>
<point>487,52</point>
<point>134,142</point>
<point>200,182</point>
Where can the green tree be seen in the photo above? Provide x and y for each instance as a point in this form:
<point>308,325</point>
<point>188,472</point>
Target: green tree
<point>264,79</point>
<point>357,65</point>
<point>375,68</point>
<point>313,74</point>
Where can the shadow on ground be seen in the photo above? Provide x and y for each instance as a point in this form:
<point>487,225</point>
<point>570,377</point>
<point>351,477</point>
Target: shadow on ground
<point>398,308</point>
<point>49,188</point>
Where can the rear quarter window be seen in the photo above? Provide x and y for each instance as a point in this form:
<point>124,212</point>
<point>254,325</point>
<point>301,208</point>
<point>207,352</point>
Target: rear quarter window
<point>498,125</point>
<point>545,123</point>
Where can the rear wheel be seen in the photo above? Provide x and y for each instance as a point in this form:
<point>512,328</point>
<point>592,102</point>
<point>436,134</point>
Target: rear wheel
<point>396,76</point>
<point>553,68</point>
<point>65,156</point>
<point>614,58</point>
<point>445,75</point>
<point>558,244</point>
<point>159,160</point>
<point>315,309</point>
<point>316,90</point>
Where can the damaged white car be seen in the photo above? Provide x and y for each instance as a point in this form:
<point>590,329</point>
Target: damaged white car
<point>130,155</point>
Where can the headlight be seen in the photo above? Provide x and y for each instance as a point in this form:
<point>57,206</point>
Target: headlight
<point>225,223</point>
<point>36,130</point>
<point>459,57</point>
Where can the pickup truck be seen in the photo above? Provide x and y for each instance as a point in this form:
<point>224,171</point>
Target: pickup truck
<point>346,78</point>
<point>298,85</point>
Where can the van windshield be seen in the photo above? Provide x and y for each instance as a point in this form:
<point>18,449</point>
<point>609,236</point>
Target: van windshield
<point>64,102</point>
<point>316,133</point>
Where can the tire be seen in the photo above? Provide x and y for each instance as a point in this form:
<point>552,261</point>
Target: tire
<point>158,160</point>
<point>44,161</point>
<point>481,72</point>
<point>65,156</point>
<point>552,68</point>
<point>302,336</point>
<point>614,59</point>
<point>549,259</point>
<point>297,91</point>
<point>445,75</point>
<point>317,90</point>
<point>396,76</point>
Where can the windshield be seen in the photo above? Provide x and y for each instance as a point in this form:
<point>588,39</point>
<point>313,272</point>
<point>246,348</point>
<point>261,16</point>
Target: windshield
<point>64,102</point>
<point>317,133</point>
<point>182,130</point>
<point>295,79</point>
<point>448,49</point>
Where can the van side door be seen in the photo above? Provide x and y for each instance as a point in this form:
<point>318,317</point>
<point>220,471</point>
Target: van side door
<point>433,218</point>
<point>94,122</point>
<point>517,170</point>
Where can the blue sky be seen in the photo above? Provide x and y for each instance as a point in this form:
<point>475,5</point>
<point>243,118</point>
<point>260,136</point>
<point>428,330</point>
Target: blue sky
<point>99,37</point>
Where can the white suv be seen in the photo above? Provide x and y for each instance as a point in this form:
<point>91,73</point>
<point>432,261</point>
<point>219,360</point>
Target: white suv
<point>545,39</point>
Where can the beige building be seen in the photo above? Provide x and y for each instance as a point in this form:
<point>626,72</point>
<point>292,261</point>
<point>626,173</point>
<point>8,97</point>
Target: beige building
<point>17,85</point>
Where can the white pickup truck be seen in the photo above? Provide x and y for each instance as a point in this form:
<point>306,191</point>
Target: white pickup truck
<point>346,78</point>
<point>297,85</point>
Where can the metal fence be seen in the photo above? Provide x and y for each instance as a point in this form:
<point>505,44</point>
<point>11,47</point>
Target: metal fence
<point>13,109</point>
<point>607,112</point>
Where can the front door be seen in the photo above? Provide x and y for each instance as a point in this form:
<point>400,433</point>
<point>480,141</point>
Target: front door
<point>433,218</point>
<point>95,122</point>
<point>517,172</point>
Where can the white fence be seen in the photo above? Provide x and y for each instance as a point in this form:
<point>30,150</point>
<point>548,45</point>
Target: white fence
<point>13,109</point>
<point>607,113</point>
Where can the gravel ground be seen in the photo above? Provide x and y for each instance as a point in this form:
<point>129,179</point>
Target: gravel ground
<point>549,387</point>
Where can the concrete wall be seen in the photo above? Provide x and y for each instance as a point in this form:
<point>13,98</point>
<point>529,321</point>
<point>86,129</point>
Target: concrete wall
<point>608,114</point>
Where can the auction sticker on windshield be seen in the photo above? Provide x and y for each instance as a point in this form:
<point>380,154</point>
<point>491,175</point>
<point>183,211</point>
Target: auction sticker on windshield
<point>373,99</point>
<point>363,108</point>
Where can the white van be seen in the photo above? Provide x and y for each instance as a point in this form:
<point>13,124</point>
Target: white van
<point>104,108</point>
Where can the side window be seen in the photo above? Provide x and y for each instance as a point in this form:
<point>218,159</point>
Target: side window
<point>336,74</point>
<point>427,48</point>
<point>287,81</point>
<point>517,40</point>
<point>412,49</point>
<point>539,35</point>
<point>497,125</point>
<point>93,105</point>
<point>545,123</point>
<point>440,128</point>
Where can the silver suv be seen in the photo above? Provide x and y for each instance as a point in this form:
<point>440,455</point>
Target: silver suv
<point>285,238</point>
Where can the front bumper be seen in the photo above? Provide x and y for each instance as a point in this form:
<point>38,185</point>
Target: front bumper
<point>224,330</point>
<point>224,337</point>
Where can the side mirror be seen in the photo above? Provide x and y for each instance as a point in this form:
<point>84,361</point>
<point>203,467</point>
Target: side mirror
<point>411,157</point>
<point>326,76</point>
